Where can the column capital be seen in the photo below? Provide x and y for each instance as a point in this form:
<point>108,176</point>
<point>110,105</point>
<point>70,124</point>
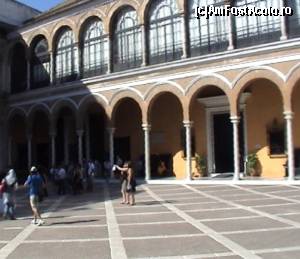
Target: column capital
<point>80,133</point>
<point>188,124</point>
<point>288,115</point>
<point>235,119</point>
<point>146,127</point>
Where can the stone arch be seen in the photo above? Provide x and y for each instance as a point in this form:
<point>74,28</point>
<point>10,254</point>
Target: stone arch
<point>248,76</point>
<point>144,9</point>
<point>58,105</point>
<point>16,111</point>
<point>36,108</point>
<point>41,32</point>
<point>86,101</point>
<point>57,29</point>
<point>202,82</point>
<point>293,80</point>
<point>115,8</point>
<point>86,18</point>
<point>156,91</point>
<point>119,97</point>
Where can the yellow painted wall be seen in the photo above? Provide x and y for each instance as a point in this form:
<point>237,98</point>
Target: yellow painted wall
<point>167,121</point>
<point>263,106</point>
<point>197,113</point>
<point>296,122</point>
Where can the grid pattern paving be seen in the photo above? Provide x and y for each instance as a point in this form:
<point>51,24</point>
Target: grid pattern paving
<point>168,221</point>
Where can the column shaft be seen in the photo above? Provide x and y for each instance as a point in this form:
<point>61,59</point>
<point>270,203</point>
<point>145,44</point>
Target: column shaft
<point>53,150</point>
<point>66,141</point>
<point>80,135</point>
<point>144,45</point>
<point>29,150</point>
<point>184,36</point>
<point>87,140</point>
<point>146,128</point>
<point>235,123</point>
<point>188,170</point>
<point>290,144</point>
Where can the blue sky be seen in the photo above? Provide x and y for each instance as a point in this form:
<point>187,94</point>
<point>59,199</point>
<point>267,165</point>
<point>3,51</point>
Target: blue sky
<point>41,5</point>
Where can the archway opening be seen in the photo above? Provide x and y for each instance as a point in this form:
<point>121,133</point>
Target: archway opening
<point>265,145</point>
<point>18,145</point>
<point>167,138</point>
<point>66,139</point>
<point>40,140</point>
<point>212,136</point>
<point>296,126</point>
<point>128,142</point>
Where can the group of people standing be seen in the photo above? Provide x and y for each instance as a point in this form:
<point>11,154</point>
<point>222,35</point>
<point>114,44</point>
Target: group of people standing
<point>75,177</point>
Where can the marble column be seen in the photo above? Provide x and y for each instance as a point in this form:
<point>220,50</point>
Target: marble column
<point>110,58</point>
<point>53,148</point>
<point>288,116</point>
<point>147,128</point>
<point>29,151</point>
<point>111,133</point>
<point>80,135</point>
<point>235,123</point>
<point>188,143</point>
<point>10,151</point>
<point>66,141</point>
<point>87,140</point>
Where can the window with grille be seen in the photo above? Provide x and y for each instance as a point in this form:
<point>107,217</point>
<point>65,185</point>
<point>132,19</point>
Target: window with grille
<point>207,35</point>
<point>253,30</point>
<point>95,49</point>
<point>66,57</point>
<point>293,21</point>
<point>40,65</point>
<point>165,32</point>
<point>127,39</point>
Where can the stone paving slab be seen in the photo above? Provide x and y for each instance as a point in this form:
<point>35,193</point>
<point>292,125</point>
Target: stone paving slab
<point>267,239</point>
<point>280,209</point>
<point>6,235</point>
<point>204,206</point>
<point>148,218</point>
<point>159,230</point>
<point>244,224</point>
<point>281,255</point>
<point>172,246</point>
<point>247,196</point>
<point>262,202</point>
<point>135,209</point>
<point>218,214</point>
<point>78,250</point>
<point>61,221</point>
<point>68,233</point>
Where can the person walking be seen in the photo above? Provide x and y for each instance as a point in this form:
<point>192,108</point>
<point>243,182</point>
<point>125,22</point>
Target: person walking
<point>128,186</point>
<point>62,176</point>
<point>10,182</point>
<point>35,184</point>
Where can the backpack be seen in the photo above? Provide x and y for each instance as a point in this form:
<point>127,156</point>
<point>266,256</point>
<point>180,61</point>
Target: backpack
<point>2,186</point>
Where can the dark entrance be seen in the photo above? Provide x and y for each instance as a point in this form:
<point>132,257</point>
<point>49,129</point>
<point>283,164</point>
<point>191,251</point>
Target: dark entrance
<point>223,143</point>
<point>122,148</point>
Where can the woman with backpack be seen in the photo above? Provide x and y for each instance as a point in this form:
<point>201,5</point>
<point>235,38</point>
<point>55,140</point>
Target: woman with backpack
<point>9,184</point>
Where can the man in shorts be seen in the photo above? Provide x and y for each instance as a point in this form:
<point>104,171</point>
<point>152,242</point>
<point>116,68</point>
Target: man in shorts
<point>35,183</point>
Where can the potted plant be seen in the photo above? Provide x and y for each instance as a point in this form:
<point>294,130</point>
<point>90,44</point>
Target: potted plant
<point>200,166</point>
<point>252,162</point>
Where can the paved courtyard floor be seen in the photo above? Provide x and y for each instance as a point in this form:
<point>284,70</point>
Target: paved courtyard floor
<point>168,221</point>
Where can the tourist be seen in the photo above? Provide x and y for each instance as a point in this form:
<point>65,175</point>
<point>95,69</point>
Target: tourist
<point>35,183</point>
<point>61,180</point>
<point>128,186</point>
<point>10,183</point>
